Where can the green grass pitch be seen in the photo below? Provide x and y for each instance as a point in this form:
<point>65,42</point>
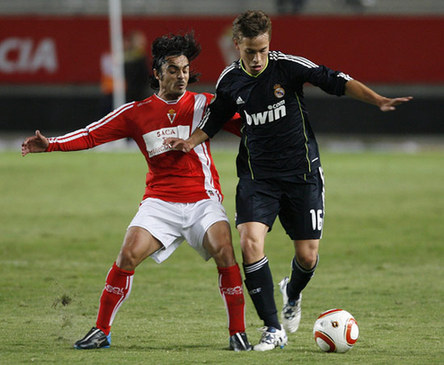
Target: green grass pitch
<point>63,217</point>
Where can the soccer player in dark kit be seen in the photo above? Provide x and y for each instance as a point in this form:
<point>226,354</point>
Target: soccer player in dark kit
<point>278,164</point>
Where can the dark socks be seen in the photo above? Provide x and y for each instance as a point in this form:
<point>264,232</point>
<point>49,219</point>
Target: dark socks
<point>259,283</point>
<point>299,279</point>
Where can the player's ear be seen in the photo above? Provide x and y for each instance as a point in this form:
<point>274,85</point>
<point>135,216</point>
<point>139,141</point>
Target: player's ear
<point>156,74</point>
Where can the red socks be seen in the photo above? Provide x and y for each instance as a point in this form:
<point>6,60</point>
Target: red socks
<point>230,286</point>
<point>117,289</point>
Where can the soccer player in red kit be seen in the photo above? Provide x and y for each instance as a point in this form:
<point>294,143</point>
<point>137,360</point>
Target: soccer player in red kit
<point>183,198</point>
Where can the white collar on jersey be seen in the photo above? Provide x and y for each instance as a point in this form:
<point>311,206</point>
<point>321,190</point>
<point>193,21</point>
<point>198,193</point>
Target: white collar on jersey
<point>170,101</point>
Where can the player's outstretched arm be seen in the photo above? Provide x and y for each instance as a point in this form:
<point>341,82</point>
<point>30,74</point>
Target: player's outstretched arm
<point>359,91</point>
<point>35,144</point>
<point>187,145</point>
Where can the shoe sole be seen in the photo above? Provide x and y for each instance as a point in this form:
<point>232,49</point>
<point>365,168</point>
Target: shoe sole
<point>94,348</point>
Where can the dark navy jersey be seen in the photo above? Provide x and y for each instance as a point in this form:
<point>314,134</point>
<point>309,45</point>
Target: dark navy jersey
<point>277,139</point>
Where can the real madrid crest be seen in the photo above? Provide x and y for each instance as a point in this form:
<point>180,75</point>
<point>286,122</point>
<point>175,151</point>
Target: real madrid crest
<point>171,115</point>
<point>279,91</point>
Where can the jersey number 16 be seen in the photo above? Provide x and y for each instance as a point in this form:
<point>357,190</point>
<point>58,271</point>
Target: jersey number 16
<point>316,219</point>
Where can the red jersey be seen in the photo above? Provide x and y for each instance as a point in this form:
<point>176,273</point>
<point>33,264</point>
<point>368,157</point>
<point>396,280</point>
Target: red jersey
<point>173,175</point>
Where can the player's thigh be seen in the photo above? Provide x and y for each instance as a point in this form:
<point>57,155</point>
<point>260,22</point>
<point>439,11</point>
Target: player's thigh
<point>257,201</point>
<point>302,208</point>
<point>217,241</point>
<point>161,224</point>
<point>252,241</point>
<point>137,246</point>
<point>206,228</point>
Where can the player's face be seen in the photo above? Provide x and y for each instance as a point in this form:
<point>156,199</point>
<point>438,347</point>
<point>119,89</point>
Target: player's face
<point>254,52</point>
<point>173,77</point>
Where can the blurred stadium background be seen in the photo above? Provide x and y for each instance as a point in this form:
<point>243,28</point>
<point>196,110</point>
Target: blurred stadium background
<point>51,51</point>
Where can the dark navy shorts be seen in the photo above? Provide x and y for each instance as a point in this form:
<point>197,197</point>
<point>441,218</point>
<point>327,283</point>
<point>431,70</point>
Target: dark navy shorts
<point>297,200</point>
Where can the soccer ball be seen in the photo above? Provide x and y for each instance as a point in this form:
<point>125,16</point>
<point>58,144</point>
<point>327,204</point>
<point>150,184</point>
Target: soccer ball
<point>335,330</point>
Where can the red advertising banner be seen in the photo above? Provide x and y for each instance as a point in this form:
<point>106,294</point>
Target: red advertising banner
<point>54,50</point>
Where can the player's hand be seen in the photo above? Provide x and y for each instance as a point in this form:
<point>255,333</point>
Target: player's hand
<point>390,104</point>
<point>35,144</point>
<point>178,144</point>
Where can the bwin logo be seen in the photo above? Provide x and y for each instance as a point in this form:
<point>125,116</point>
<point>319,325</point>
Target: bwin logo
<point>275,112</point>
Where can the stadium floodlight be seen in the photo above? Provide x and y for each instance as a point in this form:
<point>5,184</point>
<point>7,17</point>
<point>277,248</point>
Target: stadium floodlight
<point>116,39</point>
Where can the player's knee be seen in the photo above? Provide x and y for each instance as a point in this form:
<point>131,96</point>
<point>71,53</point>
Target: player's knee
<point>223,255</point>
<point>252,250</point>
<point>308,259</point>
<point>127,259</point>
<point>248,245</point>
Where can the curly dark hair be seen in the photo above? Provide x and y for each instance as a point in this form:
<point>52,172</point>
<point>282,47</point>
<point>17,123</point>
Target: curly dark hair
<point>250,24</point>
<point>174,45</point>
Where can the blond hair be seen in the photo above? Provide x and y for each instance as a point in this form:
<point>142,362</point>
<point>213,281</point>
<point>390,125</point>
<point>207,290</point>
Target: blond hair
<point>250,24</point>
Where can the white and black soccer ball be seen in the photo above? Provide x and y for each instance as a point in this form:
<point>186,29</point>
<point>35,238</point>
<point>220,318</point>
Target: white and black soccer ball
<point>335,330</point>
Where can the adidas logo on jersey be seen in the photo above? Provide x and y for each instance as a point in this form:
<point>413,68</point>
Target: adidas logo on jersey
<point>274,112</point>
<point>240,101</point>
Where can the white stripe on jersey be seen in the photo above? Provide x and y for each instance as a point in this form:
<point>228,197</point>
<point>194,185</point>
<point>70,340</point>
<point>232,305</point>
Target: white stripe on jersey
<point>321,174</point>
<point>85,131</point>
<point>68,137</point>
<point>202,150</point>
<point>199,106</point>
<point>345,76</point>
<point>224,72</point>
<point>204,120</point>
<point>276,55</point>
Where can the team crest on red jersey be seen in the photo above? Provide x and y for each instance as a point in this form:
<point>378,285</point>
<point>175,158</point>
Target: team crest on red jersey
<point>279,91</point>
<point>171,115</point>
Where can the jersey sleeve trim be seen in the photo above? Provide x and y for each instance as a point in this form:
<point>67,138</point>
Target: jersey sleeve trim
<point>80,139</point>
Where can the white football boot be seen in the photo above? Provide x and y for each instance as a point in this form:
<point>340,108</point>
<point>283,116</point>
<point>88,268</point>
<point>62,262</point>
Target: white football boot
<point>291,311</point>
<point>271,338</point>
